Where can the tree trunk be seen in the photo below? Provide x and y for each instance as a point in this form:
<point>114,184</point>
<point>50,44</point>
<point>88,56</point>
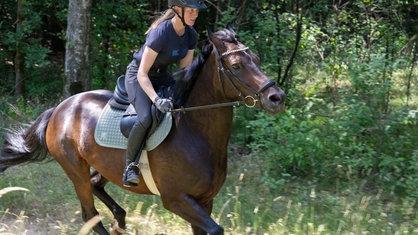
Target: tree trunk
<point>285,80</point>
<point>411,71</point>
<point>77,57</point>
<point>19,57</point>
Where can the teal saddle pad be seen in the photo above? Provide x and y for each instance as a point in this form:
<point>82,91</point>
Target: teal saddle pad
<point>108,134</point>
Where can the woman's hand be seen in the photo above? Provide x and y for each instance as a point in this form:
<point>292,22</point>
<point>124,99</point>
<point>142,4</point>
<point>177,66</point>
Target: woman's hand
<point>163,104</point>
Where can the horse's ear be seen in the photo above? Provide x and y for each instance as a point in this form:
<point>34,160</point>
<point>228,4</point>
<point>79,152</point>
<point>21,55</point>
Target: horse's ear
<point>211,35</point>
<point>208,30</point>
<point>230,28</point>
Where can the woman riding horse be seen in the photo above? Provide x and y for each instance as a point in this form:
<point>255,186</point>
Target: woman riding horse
<point>188,167</point>
<point>170,39</point>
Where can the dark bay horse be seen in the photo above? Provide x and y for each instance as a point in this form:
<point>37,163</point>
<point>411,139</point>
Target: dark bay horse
<point>189,167</point>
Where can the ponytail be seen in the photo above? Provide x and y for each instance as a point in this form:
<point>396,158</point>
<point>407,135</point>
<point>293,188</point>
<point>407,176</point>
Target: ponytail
<point>165,16</point>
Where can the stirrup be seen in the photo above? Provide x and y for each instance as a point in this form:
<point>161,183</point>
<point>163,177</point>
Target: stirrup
<point>132,164</point>
<point>129,184</point>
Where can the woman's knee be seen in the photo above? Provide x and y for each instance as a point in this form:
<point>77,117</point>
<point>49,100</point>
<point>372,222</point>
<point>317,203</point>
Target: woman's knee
<point>143,121</point>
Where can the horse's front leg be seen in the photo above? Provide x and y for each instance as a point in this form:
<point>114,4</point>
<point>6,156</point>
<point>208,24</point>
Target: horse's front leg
<point>197,230</point>
<point>196,214</point>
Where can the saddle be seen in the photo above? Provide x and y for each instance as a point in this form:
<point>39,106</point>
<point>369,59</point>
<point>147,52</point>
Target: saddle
<point>119,116</point>
<point>120,101</point>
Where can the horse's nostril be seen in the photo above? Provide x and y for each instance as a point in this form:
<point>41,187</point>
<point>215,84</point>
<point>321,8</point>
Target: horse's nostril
<point>277,98</point>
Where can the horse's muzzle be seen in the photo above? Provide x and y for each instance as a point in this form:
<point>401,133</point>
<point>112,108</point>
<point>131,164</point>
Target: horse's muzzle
<point>273,100</point>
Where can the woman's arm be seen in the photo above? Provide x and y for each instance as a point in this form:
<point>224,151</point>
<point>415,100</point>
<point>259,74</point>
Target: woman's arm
<point>187,60</point>
<point>147,60</point>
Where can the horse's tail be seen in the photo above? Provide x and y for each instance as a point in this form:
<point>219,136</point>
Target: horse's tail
<point>26,145</point>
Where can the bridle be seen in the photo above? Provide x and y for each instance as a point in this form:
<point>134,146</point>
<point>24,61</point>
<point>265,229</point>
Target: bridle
<point>249,100</point>
<point>223,70</point>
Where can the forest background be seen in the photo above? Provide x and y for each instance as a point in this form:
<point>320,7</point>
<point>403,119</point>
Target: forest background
<point>342,159</point>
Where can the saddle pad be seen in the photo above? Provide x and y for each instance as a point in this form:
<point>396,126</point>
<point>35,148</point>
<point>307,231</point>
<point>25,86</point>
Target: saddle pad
<point>108,134</point>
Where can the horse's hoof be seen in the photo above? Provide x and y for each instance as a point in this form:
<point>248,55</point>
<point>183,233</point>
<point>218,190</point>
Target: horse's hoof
<point>115,229</point>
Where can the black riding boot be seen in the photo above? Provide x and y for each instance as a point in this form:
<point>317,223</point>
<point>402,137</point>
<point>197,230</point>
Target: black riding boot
<point>136,141</point>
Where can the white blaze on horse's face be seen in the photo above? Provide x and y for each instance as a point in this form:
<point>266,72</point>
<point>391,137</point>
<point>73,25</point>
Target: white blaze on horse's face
<point>244,74</point>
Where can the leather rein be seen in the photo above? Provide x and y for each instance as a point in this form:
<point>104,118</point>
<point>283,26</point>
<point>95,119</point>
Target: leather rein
<point>249,101</point>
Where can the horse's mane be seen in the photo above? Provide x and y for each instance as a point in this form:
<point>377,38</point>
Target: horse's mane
<point>186,77</point>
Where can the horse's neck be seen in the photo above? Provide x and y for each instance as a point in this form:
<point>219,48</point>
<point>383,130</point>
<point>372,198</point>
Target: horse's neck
<point>215,123</point>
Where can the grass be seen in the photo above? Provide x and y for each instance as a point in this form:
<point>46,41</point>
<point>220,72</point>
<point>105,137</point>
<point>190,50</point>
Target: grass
<point>244,206</point>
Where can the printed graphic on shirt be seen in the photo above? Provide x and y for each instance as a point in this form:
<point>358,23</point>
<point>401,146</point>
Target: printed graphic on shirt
<point>179,52</point>
<point>175,53</point>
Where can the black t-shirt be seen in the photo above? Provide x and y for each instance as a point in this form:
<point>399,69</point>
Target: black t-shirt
<point>168,44</point>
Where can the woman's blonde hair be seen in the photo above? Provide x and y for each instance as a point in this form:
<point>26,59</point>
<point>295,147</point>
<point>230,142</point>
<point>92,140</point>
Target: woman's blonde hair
<point>168,14</point>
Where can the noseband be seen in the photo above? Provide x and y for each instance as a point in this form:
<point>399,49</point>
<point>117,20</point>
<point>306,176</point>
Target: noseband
<point>223,69</point>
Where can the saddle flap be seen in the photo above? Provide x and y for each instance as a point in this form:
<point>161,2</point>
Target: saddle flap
<point>129,119</point>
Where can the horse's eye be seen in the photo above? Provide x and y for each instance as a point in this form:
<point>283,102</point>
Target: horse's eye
<point>236,66</point>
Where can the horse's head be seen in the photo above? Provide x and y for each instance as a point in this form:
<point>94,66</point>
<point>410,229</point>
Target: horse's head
<point>241,76</point>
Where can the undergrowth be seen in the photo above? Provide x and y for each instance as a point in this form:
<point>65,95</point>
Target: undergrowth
<point>245,206</point>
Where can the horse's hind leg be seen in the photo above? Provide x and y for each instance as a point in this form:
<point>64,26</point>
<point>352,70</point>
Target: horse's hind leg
<point>79,173</point>
<point>99,182</point>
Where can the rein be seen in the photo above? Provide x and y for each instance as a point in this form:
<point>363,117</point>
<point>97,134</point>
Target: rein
<point>249,101</point>
<point>209,106</point>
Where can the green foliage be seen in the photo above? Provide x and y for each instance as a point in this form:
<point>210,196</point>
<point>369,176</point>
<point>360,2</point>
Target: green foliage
<point>118,30</point>
<point>35,43</point>
<point>347,97</point>
<point>341,142</point>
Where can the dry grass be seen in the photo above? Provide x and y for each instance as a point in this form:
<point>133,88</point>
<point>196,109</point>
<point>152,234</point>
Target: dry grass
<point>244,206</point>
